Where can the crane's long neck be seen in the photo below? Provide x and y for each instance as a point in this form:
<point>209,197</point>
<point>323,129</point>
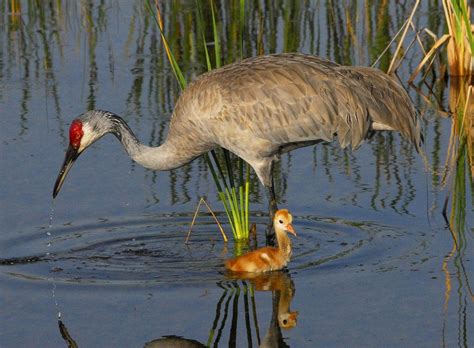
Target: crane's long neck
<point>173,153</point>
<point>284,243</point>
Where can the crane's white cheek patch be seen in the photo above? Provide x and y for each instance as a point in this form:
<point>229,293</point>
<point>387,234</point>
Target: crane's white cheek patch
<point>87,138</point>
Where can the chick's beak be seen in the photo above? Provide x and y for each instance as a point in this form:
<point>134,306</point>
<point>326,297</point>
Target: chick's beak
<point>71,155</point>
<point>290,229</point>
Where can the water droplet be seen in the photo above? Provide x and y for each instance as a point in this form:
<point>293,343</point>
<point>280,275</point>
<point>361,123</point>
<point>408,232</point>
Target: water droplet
<point>53,282</point>
<point>51,216</point>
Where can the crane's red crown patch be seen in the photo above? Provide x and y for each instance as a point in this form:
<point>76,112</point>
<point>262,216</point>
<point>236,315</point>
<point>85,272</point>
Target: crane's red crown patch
<point>75,133</point>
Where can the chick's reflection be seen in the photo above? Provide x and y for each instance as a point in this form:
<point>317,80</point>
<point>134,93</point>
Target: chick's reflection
<point>283,289</point>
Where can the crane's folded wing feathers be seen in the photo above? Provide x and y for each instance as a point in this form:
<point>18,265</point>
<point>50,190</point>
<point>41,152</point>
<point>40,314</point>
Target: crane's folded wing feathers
<point>297,98</point>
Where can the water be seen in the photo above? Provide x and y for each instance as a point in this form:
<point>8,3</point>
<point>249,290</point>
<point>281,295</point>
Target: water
<point>374,262</point>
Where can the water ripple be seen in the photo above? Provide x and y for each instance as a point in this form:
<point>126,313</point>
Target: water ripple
<point>151,249</point>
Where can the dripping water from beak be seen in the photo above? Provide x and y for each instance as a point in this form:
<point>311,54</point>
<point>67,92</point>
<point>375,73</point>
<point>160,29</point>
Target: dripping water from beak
<point>71,155</point>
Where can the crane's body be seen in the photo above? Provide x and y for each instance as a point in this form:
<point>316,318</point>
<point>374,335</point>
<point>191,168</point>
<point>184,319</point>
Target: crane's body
<point>259,108</point>
<point>264,106</point>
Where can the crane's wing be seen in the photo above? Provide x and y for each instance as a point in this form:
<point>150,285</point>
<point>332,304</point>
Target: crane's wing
<point>293,99</point>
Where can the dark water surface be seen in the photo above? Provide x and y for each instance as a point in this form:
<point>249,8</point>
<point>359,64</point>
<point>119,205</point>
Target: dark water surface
<point>374,261</point>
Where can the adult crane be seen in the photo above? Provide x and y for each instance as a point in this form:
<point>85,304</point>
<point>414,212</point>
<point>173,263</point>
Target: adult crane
<point>259,108</point>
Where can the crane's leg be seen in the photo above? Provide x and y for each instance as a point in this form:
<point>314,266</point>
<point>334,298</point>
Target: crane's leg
<point>272,208</point>
<point>263,166</point>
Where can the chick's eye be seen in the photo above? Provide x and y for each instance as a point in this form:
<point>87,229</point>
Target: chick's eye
<point>280,221</point>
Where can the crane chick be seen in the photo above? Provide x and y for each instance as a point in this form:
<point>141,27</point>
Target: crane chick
<point>268,259</point>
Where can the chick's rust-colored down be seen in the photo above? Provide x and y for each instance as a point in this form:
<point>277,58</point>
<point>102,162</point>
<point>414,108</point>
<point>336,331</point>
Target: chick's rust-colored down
<point>268,259</point>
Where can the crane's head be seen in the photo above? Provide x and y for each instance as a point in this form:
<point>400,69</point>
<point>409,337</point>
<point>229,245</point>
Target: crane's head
<point>83,132</point>
<point>283,220</point>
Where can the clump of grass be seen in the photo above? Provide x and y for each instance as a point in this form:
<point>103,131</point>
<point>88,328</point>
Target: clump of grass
<point>460,49</point>
<point>461,43</point>
<point>233,192</point>
<point>459,40</point>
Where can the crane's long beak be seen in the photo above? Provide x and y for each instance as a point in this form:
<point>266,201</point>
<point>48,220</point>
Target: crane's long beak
<point>71,155</point>
<point>290,229</point>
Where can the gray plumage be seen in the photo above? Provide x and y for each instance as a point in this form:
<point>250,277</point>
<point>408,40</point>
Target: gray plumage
<point>264,106</point>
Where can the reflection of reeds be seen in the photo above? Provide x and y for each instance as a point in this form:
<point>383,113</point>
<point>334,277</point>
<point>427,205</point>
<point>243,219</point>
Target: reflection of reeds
<point>460,45</point>
<point>245,285</point>
<point>461,102</point>
<point>15,7</point>
<point>459,159</point>
<point>71,343</point>
<point>469,127</point>
<point>459,167</point>
<point>15,12</point>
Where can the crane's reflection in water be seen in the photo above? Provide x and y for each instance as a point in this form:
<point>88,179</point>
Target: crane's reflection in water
<point>71,343</point>
<point>235,287</point>
<point>244,285</point>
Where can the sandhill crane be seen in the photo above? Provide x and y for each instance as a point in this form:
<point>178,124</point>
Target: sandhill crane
<point>259,108</point>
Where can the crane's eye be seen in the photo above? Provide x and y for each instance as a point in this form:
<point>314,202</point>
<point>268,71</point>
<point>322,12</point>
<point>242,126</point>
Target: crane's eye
<point>280,221</point>
<point>285,321</point>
